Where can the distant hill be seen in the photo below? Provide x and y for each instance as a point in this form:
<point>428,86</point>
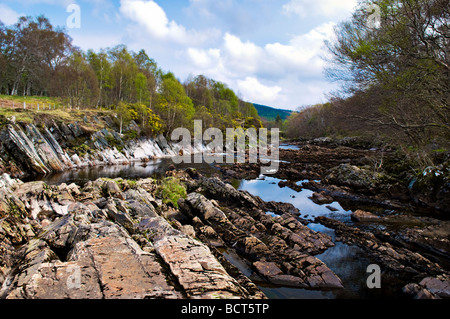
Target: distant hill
<point>270,113</point>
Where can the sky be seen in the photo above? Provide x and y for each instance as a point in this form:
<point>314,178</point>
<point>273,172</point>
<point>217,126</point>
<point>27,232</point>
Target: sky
<point>270,52</point>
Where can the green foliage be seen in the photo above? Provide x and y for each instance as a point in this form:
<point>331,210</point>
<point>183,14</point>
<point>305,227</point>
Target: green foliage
<point>251,122</point>
<point>131,183</point>
<point>113,142</point>
<point>124,114</point>
<point>82,149</point>
<point>174,106</point>
<point>218,106</point>
<point>131,135</point>
<point>128,83</point>
<point>141,114</point>
<point>170,190</point>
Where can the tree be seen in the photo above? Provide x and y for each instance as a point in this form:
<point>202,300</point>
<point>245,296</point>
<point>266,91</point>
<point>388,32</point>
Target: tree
<point>123,72</point>
<point>5,51</point>
<point>76,81</point>
<point>102,68</point>
<point>203,114</point>
<point>124,115</point>
<point>149,68</point>
<point>248,109</point>
<point>33,49</point>
<point>174,106</point>
<point>403,66</point>
<point>222,92</point>
<point>278,121</point>
<point>141,87</point>
<point>36,58</point>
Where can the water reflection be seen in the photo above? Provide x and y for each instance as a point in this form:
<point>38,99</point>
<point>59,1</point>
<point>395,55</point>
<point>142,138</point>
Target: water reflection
<point>267,188</point>
<point>289,147</point>
<point>348,262</point>
<point>131,171</point>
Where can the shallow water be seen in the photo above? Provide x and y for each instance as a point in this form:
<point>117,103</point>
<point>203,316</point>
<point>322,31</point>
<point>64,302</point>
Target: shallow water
<point>267,188</point>
<point>348,262</point>
<point>289,147</point>
<point>131,171</point>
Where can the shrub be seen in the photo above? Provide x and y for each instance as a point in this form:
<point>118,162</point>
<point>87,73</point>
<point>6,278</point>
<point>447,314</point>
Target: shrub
<point>170,190</point>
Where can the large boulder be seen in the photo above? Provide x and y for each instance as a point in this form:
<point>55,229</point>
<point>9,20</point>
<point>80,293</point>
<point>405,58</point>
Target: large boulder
<point>430,288</point>
<point>359,179</point>
<point>106,263</point>
<point>363,216</point>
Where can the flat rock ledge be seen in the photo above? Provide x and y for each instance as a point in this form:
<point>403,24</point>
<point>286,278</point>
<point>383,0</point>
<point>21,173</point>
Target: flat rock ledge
<point>108,264</point>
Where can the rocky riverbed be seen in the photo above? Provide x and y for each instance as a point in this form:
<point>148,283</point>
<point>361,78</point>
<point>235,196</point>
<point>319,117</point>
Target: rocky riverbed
<point>115,238</point>
<point>356,173</point>
<point>405,232</point>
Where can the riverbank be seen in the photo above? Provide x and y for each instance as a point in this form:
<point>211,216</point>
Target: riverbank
<point>109,229</point>
<point>55,145</point>
<point>120,239</point>
<point>347,169</point>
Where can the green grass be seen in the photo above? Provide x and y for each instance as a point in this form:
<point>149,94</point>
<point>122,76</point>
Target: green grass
<point>24,117</point>
<point>12,106</point>
<point>31,101</point>
<point>170,190</point>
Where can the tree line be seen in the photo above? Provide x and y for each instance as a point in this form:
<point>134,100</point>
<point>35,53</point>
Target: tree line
<point>394,76</point>
<point>38,59</point>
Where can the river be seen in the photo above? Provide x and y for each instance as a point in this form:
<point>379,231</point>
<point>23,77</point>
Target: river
<point>348,262</point>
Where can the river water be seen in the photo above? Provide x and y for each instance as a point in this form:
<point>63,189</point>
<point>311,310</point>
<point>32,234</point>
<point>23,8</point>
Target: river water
<point>348,262</point>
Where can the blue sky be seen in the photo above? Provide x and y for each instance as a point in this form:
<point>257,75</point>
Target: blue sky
<point>268,51</point>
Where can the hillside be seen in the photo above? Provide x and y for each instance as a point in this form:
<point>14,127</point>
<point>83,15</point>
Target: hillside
<point>270,113</point>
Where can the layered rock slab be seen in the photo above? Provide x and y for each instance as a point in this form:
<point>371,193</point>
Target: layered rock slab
<point>191,262</point>
<point>109,264</point>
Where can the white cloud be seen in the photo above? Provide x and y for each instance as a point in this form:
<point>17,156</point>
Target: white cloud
<point>324,8</point>
<point>204,59</point>
<point>7,15</point>
<point>243,57</point>
<point>275,60</point>
<point>284,74</point>
<point>302,54</point>
<point>149,15</point>
<point>253,90</point>
<point>94,41</point>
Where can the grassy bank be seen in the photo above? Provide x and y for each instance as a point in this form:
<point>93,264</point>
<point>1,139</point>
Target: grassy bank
<point>50,109</point>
